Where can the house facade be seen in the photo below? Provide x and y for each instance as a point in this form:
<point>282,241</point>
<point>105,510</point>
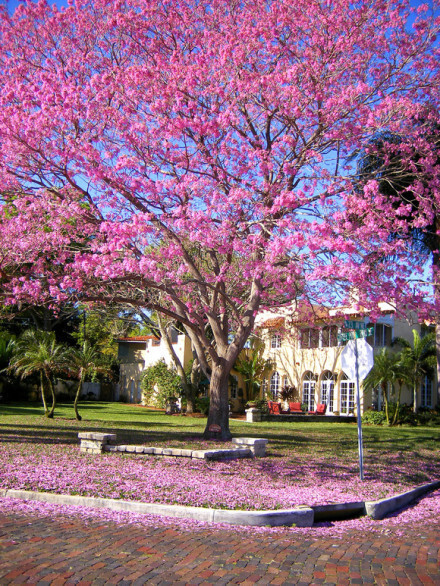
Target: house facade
<point>139,352</point>
<point>306,354</point>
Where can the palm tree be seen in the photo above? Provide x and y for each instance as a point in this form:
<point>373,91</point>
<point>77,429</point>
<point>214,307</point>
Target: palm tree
<point>382,375</point>
<point>253,366</point>
<point>420,359</point>
<point>37,352</point>
<point>84,362</point>
<point>403,375</point>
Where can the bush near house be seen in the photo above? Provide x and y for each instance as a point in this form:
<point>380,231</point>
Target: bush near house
<point>424,416</point>
<point>374,417</point>
<point>158,384</point>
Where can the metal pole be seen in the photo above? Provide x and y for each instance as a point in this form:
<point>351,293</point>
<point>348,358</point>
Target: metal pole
<point>358,404</point>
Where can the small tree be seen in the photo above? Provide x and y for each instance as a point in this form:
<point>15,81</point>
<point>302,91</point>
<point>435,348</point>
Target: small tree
<point>38,352</point>
<point>420,359</point>
<point>159,383</point>
<point>403,376</point>
<point>85,362</point>
<point>382,375</point>
<point>253,366</point>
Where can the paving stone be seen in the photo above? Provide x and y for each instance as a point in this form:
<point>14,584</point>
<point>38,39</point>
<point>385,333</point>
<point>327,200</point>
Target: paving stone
<point>61,549</point>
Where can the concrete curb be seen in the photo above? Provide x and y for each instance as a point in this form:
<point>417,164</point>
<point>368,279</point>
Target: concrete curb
<point>380,509</point>
<point>303,516</point>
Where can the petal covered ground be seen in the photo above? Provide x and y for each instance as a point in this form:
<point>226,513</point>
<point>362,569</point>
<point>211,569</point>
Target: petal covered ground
<point>269,483</point>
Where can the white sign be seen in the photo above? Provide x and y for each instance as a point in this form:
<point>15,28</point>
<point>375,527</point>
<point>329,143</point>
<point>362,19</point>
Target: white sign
<point>365,358</point>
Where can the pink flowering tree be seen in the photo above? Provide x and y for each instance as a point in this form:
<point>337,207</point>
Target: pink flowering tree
<point>191,157</point>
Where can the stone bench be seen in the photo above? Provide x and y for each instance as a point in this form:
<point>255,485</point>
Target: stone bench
<point>256,445</point>
<point>94,442</point>
<point>244,447</point>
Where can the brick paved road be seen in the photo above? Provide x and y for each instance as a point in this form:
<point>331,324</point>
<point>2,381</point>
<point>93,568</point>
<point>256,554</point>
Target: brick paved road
<point>48,546</point>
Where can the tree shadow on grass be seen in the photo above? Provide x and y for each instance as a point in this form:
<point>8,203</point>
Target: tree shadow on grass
<point>62,435</point>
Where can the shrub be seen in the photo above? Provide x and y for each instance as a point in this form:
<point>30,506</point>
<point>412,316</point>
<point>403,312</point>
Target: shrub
<point>288,393</point>
<point>426,416</point>
<point>202,405</point>
<point>373,417</point>
<point>406,414</point>
<point>262,406</point>
<point>158,384</point>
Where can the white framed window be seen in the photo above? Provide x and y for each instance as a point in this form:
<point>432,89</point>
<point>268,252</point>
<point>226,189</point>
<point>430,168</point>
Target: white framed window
<point>308,391</point>
<point>275,341</point>
<point>329,336</point>
<point>426,393</point>
<point>234,387</point>
<point>347,391</point>
<point>309,338</point>
<point>275,380</point>
<point>382,336</point>
<point>328,390</point>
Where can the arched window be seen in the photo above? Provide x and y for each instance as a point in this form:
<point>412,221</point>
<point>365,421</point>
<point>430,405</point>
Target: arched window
<point>308,394</point>
<point>275,384</point>
<point>328,390</point>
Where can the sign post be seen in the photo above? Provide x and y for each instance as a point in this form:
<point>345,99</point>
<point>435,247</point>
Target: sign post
<point>361,353</point>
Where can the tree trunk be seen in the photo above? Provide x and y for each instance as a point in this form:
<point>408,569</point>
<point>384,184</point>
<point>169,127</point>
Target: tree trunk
<point>385,401</point>
<point>437,348</point>
<point>436,275</point>
<point>217,426</point>
<point>193,385</point>
<point>43,396</point>
<point>415,396</point>
<point>75,402</point>
<point>396,412</point>
<point>50,414</point>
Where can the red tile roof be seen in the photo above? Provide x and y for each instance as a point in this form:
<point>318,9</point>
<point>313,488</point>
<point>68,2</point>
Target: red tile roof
<point>274,322</point>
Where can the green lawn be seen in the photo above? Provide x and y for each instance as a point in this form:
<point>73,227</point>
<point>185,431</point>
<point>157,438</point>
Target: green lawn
<point>140,425</point>
<point>315,462</point>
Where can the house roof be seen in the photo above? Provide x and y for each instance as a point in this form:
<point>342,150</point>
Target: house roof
<point>275,323</point>
<point>303,314</point>
<point>307,312</point>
